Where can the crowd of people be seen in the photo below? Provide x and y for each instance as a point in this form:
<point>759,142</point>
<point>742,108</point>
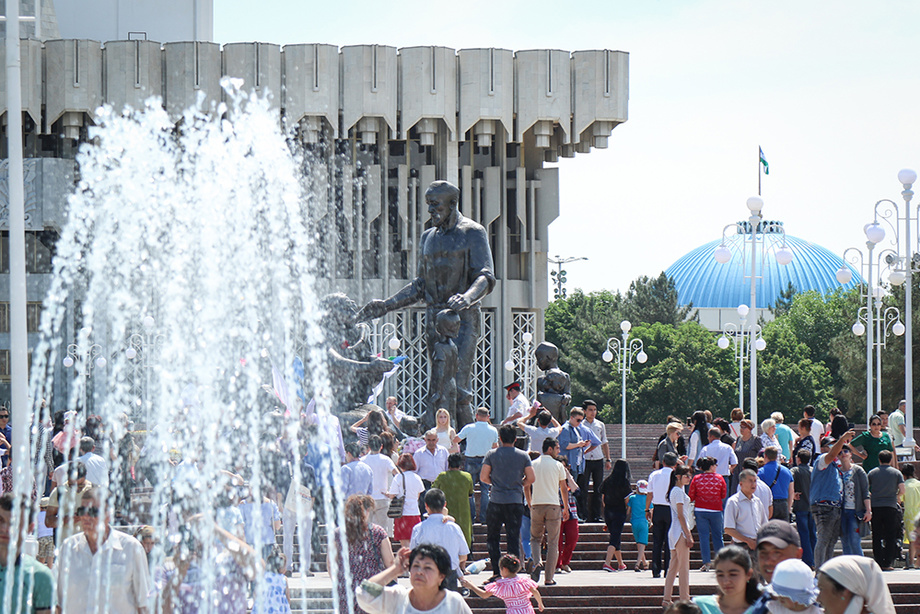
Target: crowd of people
<point>752,501</point>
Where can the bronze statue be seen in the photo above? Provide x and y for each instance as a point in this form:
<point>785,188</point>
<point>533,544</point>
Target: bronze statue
<point>455,271</point>
<point>554,387</point>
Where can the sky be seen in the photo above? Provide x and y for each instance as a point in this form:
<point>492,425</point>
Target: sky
<point>829,90</point>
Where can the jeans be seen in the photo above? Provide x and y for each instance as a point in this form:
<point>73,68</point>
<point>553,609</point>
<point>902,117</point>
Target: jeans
<point>546,519</point>
<point>525,536</point>
<point>709,524</point>
<point>661,551</point>
<point>508,515</point>
<point>827,521</point>
<point>289,519</point>
<point>886,535</point>
<point>805,523</point>
<point>474,468</point>
<point>849,536</point>
<point>594,471</point>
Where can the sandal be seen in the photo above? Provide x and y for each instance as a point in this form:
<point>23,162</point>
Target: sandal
<point>549,583</point>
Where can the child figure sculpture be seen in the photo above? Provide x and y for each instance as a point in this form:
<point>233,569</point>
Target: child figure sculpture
<point>444,391</point>
<point>554,387</point>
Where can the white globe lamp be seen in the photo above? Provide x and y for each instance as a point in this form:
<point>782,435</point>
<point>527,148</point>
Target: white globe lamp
<point>844,275</point>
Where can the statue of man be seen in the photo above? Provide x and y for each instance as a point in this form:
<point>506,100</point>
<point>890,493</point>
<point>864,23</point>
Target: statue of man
<point>455,271</point>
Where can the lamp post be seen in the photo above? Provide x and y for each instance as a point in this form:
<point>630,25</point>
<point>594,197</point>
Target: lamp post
<point>739,334</point>
<point>559,275</point>
<point>749,230</point>
<point>145,346</point>
<point>626,352</point>
<point>377,335</point>
<point>521,355</point>
<point>85,357</point>
<point>885,322</point>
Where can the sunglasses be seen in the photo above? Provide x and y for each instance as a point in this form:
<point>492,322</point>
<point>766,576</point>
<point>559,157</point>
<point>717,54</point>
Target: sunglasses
<point>91,512</point>
<point>4,416</point>
<point>870,424</point>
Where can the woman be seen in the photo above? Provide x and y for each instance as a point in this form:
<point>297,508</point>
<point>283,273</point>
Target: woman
<point>737,585</point>
<point>616,488</point>
<point>409,485</point>
<point>699,437</point>
<point>737,416</point>
<point>805,441</point>
<point>369,549</point>
<point>671,441</point>
<point>445,431</point>
<point>376,425</point>
<point>428,566</point>
<point>747,446</point>
<point>707,491</point>
<point>853,585</point>
<point>680,540</point>
<point>458,488</point>
<point>855,497</point>
<point>839,423</point>
<point>725,427</point>
<point>872,442</point>
<point>768,437</point>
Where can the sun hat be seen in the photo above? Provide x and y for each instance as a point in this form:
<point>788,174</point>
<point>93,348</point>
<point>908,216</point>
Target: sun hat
<point>642,487</point>
<point>794,579</point>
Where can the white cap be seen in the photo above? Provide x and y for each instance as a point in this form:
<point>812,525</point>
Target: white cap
<point>794,579</point>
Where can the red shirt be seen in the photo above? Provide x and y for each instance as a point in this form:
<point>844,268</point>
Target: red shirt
<point>707,490</point>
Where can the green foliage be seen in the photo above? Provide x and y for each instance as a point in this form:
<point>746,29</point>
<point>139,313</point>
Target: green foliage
<point>651,300</point>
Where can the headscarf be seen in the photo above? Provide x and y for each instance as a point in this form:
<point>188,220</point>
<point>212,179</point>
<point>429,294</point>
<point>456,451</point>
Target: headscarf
<point>863,577</point>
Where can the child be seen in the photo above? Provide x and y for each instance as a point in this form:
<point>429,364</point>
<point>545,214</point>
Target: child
<point>45,536</point>
<point>443,384</point>
<point>793,589</point>
<point>639,522</point>
<point>568,534</point>
<point>513,590</point>
<point>737,587</point>
<point>275,598</point>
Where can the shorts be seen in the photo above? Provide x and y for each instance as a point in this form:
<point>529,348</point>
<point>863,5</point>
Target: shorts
<point>46,547</point>
<point>402,527</point>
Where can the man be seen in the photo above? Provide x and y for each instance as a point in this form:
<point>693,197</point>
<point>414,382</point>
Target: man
<point>724,455</point>
<point>817,429</point>
<point>106,569</point>
<point>547,514</point>
<point>779,479</point>
<point>357,477</point>
<point>30,577</point>
<point>887,487</point>
<point>382,469</point>
<point>546,426</point>
<point>826,496</point>
<point>856,504</point>
<point>744,513</point>
<point>97,470</point>
<point>481,437</point>
<point>455,271</point>
<point>761,489</point>
<point>430,462</point>
<point>784,435</point>
<point>518,405</point>
<point>507,470</point>
<point>393,411</point>
<point>6,436</point>
<point>575,440</point>
<point>804,522</point>
<point>437,531</point>
<point>63,500</point>
<point>596,461</point>
<point>777,541</point>
<point>896,427</point>
<point>660,515</point>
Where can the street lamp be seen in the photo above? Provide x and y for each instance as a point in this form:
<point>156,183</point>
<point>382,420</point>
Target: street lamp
<point>749,230</point>
<point>738,335</point>
<point>885,323</point>
<point>380,335</point>
<point>521,355</point>
<point>85,357</point>
<point>626,352</point>
<point>145,345</point>
<point>559,275</point>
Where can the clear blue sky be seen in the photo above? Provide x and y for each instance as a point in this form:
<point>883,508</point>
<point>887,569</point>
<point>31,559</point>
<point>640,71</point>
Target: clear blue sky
<point>830,90</point>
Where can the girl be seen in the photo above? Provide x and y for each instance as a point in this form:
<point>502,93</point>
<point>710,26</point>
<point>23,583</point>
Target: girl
<point>737,586</point>
<point>275,598</point>
<point>639,522</point>
<point>445,431</point>
<point>568,534</point>
<point>616,488</point>
<point>513,590</point>
<point>679,538</point>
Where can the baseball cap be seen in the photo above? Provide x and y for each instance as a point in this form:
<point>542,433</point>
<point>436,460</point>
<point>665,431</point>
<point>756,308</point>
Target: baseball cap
<point>779,533</point>
<point>642,487</point>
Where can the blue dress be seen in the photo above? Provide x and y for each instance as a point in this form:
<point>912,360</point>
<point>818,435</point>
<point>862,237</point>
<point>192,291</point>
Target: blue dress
<point>638,519</point>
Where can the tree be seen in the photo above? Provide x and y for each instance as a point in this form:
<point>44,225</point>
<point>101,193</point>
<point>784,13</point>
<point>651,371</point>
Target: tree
<point>651,300</point>
<point>784,300</point>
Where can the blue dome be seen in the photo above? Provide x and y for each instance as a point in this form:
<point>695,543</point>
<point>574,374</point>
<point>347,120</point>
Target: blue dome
<point>702,280</point>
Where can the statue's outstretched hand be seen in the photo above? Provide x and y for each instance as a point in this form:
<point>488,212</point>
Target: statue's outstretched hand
<point>373,309</point>
<point>459,302</point>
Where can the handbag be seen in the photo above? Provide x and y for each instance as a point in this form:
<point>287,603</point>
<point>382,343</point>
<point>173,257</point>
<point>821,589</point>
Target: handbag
<point>396,503</point>
<point>305,496</point>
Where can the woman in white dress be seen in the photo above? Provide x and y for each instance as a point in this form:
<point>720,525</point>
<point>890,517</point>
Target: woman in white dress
<point>680,540</point>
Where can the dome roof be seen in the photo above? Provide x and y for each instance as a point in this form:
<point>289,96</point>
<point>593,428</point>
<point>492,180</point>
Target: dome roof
<point>702,280</point>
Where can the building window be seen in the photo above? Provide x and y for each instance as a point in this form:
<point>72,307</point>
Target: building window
<point>33,317</point>
<point>4,317</point>
<point>5,365</point>
<point>39,251</point>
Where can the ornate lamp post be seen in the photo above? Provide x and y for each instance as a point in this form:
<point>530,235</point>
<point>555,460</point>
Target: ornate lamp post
<point>750,230</point>
<point>379,334</point>
<point>626,352</point>
<point>143,351</point>
<point>739,335</point>
<point>85,357</point>
<point>559,275</point>
<point>521,355</point>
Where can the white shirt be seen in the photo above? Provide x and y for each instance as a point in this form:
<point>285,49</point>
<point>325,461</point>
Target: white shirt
<point>520,405</point>
<point>445,534</point>
<point>745,515</point>
<point>762,492</point>
<point>601,431</point>
<point>115,579</point>
<point>658,484</point>
<point>817,431</point>
<point>414,488</point>
<point>537,434</point>
<point>429,465</point>
<point>97,470</point>
<point>723,453</point>
<point>382,467</point>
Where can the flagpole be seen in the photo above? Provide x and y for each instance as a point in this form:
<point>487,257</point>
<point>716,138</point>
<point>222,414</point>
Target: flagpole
<point>759,170</point>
